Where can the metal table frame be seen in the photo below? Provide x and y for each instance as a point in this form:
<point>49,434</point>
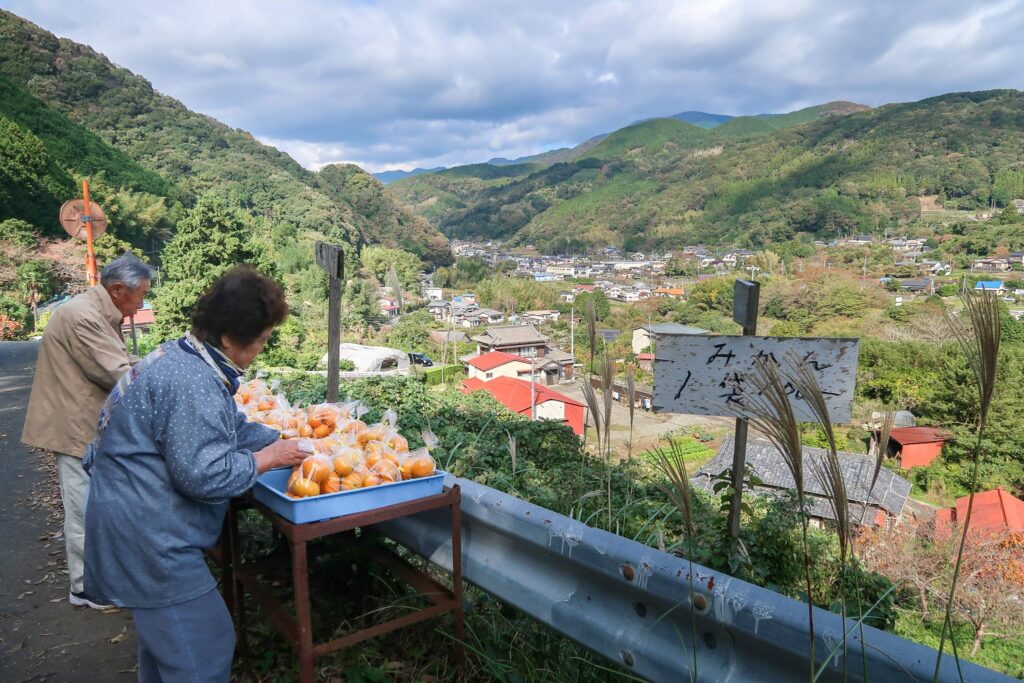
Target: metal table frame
<point>298,630</point>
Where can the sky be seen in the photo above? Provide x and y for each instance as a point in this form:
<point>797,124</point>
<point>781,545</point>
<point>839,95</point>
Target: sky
<point>427,83</point>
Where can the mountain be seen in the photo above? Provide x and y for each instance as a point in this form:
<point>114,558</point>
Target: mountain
<point>377,213</point>
<point>189,153</point>
<point>826,170</point>
<point>701,119</point>
<point>553,156</point>
<point>386,177</point>
<point>772,121</point>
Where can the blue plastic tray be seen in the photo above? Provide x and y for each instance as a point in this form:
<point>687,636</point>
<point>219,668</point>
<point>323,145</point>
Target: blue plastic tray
<point>271,485</point>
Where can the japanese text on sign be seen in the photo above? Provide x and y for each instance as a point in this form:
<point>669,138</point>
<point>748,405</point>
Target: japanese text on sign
<point>701,375</point>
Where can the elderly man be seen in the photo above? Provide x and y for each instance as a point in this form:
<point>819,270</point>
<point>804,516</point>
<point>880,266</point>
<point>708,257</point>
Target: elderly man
<point>81,358</point>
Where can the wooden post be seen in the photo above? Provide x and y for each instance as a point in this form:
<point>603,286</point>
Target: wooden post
<point>745,296</point>
<point>332,259</point>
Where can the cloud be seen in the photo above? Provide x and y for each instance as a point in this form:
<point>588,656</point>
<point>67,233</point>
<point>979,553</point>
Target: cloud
<point>404,83</point>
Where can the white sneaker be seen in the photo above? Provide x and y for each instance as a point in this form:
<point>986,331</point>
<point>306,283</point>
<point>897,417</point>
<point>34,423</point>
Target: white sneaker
<point>78,600</point>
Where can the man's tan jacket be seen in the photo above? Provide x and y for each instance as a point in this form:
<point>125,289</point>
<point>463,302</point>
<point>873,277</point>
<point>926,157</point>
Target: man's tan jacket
<point>81,357</point>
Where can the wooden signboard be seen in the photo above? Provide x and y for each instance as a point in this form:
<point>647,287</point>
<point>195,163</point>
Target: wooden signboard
<point>331,258</point>
<point>702,375</point>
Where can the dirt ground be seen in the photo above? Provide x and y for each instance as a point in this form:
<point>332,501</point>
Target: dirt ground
<point>42,637</point>
<point>649,429</point>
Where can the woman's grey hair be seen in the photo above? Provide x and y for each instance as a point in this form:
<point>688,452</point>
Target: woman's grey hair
<point>128,269</point>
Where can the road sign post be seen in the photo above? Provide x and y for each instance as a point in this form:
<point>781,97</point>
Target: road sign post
<point>90,254</point>
<point>85,220</point>
<point>331,259</point>
<point>710,375</point>
<point>745,298</point>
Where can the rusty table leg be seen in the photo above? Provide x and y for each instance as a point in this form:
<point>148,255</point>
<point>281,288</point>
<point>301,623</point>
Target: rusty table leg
<point>237,605</point>
<point>299,631</point>
<point>225,559</point>
<point>460,653</point>
<point>303,616</point>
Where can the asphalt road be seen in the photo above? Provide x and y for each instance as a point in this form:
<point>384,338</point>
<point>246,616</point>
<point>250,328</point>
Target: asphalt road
<point>43,638</point>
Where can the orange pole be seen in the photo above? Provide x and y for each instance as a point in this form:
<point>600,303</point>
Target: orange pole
<point>90,256</point>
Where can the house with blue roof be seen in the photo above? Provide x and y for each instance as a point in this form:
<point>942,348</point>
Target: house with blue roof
<point>989,286</point>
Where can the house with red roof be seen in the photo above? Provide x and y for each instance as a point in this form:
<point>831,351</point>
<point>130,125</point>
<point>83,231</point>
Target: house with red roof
<point>531,398</point>
<point>993,511</point>
<point>916,446</point>
<point>525,341</point>
<point>144,319</point>
<point>492,364</point>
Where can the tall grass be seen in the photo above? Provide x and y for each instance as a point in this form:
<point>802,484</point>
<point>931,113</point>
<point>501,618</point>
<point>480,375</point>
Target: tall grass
<point>671,463</point>
<point>771,412</point>
<point>601,409</point>
<point>829,472</point>
<point>980,345</point>
<point>396,288</point>
<point>631,397</point>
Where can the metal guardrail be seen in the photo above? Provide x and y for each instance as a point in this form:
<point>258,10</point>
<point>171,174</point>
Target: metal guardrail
<point>628,602</point>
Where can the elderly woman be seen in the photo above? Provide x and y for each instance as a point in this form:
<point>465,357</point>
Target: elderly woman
<point>171,450</point>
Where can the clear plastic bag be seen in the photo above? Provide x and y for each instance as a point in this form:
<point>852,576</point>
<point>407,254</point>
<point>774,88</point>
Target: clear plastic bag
<point>367,476</point>
<point>252,392</point>
<point>300,485</point>
<point>418,463</point>
<point>332,484</point>
<point>387,471</point>
<point>353,480</point>
<point>374,432</point>
<point>326,446</point>
<point>353,427</point>
<point>346,459</point>
<point>323,419</point>
<point>373,451</point>
<point>396,441</point>
<point>317,468</point>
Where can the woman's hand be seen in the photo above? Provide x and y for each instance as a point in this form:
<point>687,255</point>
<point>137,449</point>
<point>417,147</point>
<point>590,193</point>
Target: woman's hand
<point>283,453</point>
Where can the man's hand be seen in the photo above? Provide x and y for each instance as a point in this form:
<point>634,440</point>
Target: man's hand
<point>283,453</point>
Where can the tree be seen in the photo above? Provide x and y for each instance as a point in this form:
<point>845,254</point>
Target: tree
<point>212,238</point>
<point>602,308</point>
<point>1009,215</point>
<point>991,579</point>
<point>26,279</point>
<point>712,295</point>
<point>412,332</point>
<point>991,585</point>
<point>32,184</point>
<point>359,304</point>
<point>377,260</point>
<point>470,270</point>
<point>769,262</point>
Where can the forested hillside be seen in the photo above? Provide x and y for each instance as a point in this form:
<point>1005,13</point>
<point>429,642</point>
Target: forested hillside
<point>826,171</point>
<point>186,154</point>
<point>184,190</point>
<point>378,216</point>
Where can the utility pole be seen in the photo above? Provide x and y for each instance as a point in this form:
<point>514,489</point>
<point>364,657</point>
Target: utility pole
<point>533,389</point>
<point>90,256</point>
<point>572,332</point>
